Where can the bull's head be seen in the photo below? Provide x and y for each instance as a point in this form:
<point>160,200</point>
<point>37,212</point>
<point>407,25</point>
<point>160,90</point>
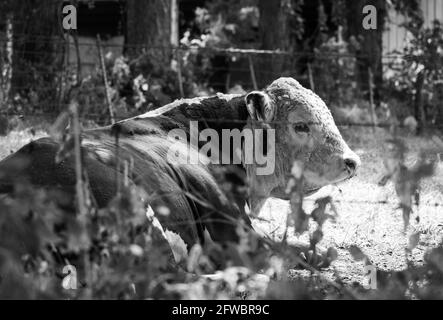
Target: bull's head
<point>305,131</point>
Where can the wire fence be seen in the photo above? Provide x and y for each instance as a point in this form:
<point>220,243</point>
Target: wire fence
<point>331,74</point>
<point>250,68</point>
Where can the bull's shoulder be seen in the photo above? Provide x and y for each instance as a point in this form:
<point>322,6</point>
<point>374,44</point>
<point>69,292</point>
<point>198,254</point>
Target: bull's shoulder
<point>210,110</point>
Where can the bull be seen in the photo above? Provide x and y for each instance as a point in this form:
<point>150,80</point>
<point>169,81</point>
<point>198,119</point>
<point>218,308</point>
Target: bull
<point>304,131</point>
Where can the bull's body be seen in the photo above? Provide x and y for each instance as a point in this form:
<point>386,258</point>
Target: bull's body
<point>191,192</point>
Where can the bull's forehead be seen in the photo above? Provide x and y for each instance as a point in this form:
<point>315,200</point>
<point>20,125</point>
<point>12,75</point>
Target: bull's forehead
<point>296,103</point>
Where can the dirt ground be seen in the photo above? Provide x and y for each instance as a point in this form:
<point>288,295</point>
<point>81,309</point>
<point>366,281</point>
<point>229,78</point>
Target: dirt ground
<point>376,228</point>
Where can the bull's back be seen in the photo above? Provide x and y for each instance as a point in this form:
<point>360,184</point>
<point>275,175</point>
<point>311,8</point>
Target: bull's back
<point>36,163</point>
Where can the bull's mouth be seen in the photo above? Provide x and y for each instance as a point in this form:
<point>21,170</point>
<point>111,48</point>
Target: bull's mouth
<point>280,192</point>
<point>311,191</point>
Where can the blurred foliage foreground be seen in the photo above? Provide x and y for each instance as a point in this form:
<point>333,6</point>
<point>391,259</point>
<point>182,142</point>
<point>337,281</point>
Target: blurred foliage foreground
<point>120,252</point>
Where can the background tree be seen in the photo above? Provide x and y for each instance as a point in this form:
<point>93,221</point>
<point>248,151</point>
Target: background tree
<point>148,27</point>
<point>277,18</point>
<point>370,49</point>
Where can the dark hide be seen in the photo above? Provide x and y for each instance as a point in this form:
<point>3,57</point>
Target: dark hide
<point>190,192</point>
<point>210,113</point>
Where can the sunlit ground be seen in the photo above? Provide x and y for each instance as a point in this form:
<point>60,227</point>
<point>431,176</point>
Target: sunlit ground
<point>376,228</point>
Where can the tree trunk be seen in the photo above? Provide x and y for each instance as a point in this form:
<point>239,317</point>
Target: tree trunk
<point>36,56</point>
<point>371,42</point>
<point>419,111</point>
<point>274,33</point>
<point>148,30</point>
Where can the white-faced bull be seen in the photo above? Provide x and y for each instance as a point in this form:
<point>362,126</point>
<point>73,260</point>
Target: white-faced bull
<point>304,131</point>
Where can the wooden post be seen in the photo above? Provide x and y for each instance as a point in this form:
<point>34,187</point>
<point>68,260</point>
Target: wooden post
<point>77,53</point>
<point>174,23</point>
<point>175,43</point>
<point>105,79</point>
<point>252,71</point>
<point>117,162</point>
<point>80,188</point>
<point>126,173</point>
<point>6,70</point>
<point>61,89</point>
<point>311,78</point>
<point>419,112</point>
<point>179,71</point>
<point>228,82</point>
<point>371,98</point>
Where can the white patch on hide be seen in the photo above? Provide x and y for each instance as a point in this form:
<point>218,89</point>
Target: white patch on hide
<point>178,246</point>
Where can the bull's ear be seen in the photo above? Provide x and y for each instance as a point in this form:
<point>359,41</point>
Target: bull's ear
<point>260,106</point>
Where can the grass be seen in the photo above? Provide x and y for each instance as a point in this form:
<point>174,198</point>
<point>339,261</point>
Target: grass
<point>374,227</point>
<point>16,139</point>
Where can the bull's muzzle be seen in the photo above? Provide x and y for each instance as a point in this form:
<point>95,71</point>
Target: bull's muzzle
<point>352,162</point>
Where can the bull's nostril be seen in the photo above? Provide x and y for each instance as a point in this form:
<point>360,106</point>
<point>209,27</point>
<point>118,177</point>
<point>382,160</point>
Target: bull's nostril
<point>351,165</point>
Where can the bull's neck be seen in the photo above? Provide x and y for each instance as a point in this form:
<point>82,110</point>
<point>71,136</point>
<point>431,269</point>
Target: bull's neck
<point>222,111</point>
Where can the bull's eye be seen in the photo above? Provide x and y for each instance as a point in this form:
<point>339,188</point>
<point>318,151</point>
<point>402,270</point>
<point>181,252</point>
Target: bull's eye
<point>301,127</point>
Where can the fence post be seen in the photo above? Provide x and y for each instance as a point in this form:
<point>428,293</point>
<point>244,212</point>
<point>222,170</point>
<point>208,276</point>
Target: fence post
<point>252,71</point>
<point>81,197</point>
<point>311,77</point>
<point>371,98</point>
<point>64,63</point>
<point>179,71</point>
<point>228,82</point>
<point>175,44</point>
<point>6,67</point>
<point>174,23</point>
<point>79,59</point>
<point>105,79</point>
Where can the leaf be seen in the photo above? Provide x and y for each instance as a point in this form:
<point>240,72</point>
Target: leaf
<point>406,215</point>
<point>316,237</point>
<point>332,254</point>
<point>136,250</point>
<point>163,211</point>
<point>414,239</point>
<point>356,253</point>
<point>301,221</point>
<point>319,213</point>
<point>57,130</point>
<point>297,170</point>
<point>194,257</point>
<point>178,246</point>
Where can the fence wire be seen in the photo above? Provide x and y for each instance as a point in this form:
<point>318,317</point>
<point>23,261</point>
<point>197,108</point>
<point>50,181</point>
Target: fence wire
<point>319,68</point>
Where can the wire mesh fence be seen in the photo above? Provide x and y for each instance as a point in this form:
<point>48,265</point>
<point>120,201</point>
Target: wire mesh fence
<point>48,77</point>
<point>45,89</point>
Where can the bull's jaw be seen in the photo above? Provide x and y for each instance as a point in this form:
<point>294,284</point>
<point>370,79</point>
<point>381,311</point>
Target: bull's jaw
<point>280,192</point>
